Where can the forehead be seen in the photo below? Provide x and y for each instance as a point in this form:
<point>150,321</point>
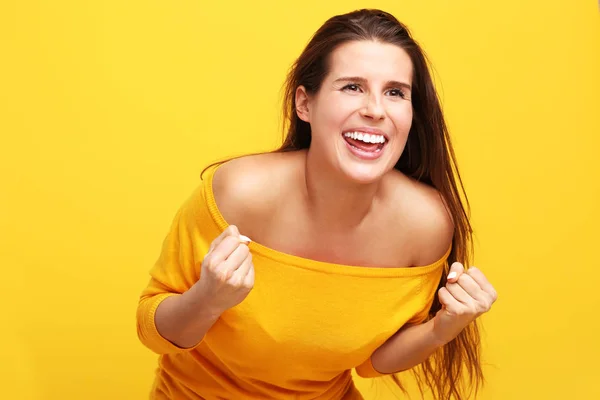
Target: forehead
<point>371,60</point>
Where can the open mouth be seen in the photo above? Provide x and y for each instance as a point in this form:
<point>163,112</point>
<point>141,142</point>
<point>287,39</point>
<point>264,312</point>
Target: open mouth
<point>364,142</point>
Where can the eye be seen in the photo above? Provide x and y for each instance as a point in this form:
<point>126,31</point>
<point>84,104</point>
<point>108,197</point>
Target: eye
<point>397,93</point>
<point>353,87</point>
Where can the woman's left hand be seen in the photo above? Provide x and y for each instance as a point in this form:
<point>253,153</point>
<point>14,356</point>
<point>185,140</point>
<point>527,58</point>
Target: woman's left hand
<point>465,297</point>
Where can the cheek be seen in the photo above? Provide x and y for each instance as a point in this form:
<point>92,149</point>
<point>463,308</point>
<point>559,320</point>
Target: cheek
<point>331,114</point>
<point>402,119</point>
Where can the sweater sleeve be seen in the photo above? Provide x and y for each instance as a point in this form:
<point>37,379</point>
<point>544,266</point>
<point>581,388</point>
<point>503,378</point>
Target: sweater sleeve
<point>366,370</point>
<point>176,270</point>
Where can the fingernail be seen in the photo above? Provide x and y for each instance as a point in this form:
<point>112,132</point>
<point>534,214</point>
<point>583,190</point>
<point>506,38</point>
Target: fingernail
<point>452,275</point>
<point>245,239</point>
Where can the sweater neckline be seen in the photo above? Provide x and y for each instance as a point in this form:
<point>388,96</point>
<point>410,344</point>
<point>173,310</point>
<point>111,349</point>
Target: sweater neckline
<point>310,264</point>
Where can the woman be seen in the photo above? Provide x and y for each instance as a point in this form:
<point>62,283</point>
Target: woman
<point>354,222</point>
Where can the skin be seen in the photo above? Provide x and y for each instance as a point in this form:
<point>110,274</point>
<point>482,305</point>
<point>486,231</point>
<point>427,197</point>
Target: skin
<point>339,205</point>
<point>348,104</point>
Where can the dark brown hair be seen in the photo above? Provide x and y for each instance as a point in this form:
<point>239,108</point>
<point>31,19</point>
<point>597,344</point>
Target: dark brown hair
<point>454,370</point>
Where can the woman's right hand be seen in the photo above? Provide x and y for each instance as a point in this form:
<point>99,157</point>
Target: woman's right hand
<point>227,273</point>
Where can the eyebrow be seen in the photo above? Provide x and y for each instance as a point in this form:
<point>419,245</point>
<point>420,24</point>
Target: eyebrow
<point>363,80</point>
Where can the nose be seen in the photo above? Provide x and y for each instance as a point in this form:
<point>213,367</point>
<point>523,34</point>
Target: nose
<point>373,108</point>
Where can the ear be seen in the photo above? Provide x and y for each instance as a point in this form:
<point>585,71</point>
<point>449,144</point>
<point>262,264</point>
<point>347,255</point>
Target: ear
<point>302,101</point>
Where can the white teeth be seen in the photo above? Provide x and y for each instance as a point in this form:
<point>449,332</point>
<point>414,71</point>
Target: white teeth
<point>365,137</point>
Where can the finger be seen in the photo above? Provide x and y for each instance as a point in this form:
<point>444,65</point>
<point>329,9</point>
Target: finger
<point>235,260</point>
<point>459,293</point>
<point>456,270</point>
<point>239,275</point>
<point>222,252</point>
<point>231,230</point>
<point>482,281</point>
<point>446,299</point>
<point>249,278</point>
<point>469,285</point>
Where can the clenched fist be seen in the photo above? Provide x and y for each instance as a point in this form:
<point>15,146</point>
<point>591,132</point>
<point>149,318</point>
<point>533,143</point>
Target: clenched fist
<point>227,273</point>
<point>465,297</point>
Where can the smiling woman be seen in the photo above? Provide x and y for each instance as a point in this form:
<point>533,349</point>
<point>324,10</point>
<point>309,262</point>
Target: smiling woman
<point>362,94</point>
<point>354,240</point>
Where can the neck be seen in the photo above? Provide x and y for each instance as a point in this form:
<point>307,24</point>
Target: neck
<point>336,204</point>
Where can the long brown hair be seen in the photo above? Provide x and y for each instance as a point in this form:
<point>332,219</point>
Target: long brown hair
<point>454,370</point>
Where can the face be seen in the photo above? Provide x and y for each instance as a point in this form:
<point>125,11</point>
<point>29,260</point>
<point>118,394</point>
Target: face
<point>361,115</point>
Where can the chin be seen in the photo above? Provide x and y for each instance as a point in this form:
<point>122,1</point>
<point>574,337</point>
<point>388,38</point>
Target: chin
<point>363,174</point>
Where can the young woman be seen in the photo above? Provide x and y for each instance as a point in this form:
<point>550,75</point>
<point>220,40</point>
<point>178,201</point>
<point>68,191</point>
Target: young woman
<point>358,232</point>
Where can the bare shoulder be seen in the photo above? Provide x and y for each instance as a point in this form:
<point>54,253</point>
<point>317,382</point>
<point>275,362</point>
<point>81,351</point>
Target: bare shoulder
<point>422,210</point>
<point>247,188</point>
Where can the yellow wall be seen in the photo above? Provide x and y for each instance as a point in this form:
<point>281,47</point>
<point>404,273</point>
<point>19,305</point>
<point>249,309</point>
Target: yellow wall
<point>109,110</point>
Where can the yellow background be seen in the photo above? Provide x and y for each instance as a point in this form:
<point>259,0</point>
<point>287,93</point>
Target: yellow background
<point>109,110</point>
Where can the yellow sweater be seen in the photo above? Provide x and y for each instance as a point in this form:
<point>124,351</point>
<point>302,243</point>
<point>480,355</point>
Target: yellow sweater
<point>298,334</point>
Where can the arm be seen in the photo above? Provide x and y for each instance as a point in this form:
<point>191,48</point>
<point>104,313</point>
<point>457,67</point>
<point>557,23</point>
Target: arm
<point>465,297</point>
<point>162,302</point>
<point>409,347</point>
<point>171,322</point>
<point>192,283</point>
<point>227,276</point>
<point>185,318</point>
